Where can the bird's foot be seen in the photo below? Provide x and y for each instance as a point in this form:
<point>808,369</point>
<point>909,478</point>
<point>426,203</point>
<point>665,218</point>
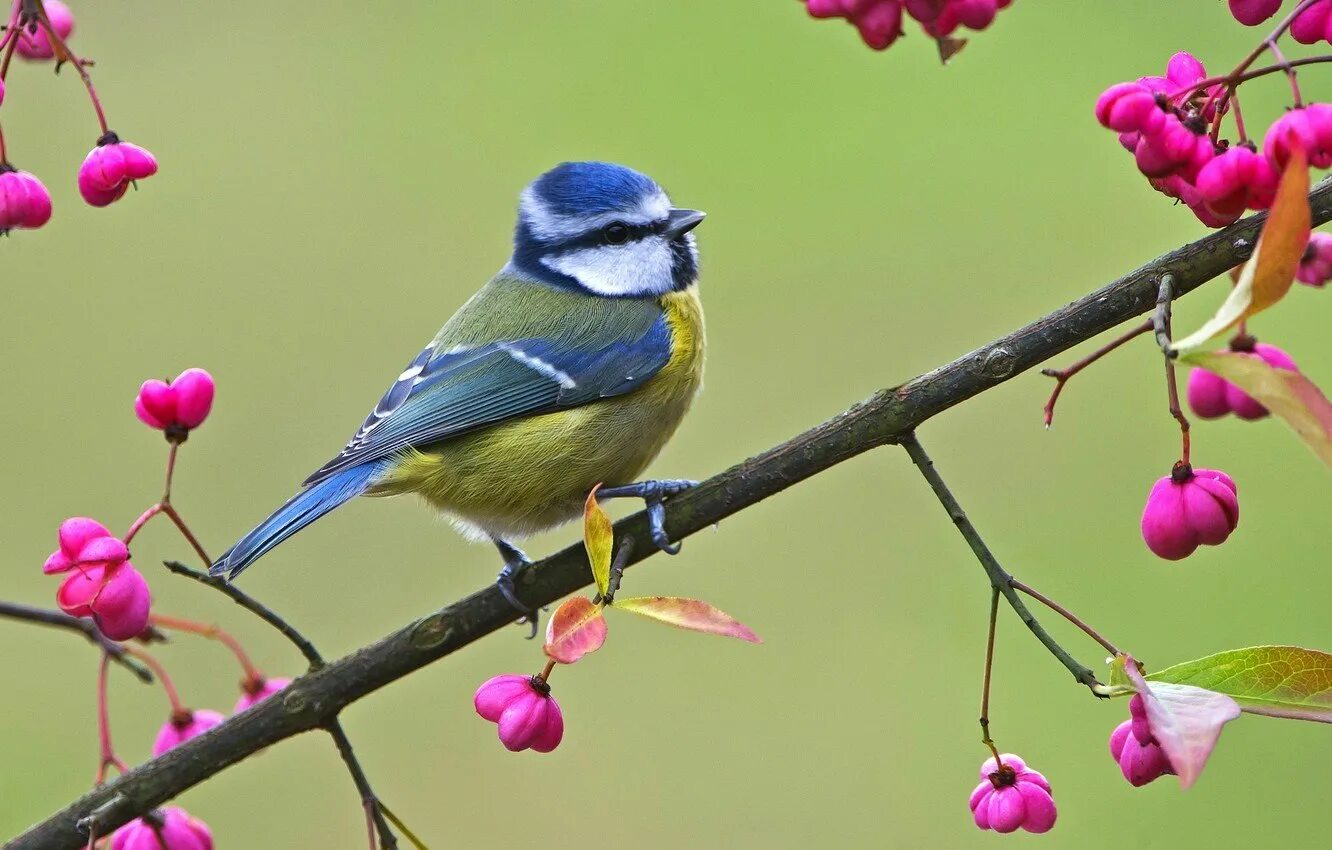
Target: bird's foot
<point>653,493</point>
<point>515,560</point>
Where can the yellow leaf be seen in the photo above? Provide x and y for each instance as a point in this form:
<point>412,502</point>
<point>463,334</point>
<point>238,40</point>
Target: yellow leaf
<point>598,539</point>
<point>693,614</point>
<point>1269,273</point>
<point>1287,393</point>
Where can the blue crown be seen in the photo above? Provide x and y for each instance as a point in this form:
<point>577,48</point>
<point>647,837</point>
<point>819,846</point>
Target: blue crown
<point>590,188</point>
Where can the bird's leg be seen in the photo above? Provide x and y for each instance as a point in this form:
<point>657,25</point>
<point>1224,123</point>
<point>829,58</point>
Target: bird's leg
<point>653,493</point>
<point>514,560</point>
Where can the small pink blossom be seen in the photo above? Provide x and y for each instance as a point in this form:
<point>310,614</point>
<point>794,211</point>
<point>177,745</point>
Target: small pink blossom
<point>36,45</point>
<point>1188,508</point>
<point>1011,796</point>
<point>176,406</point>
<point>253,692</point>
<point>1308,126</point>
<point>115,596</point>
<point>24,201</point>
<point>1315,266</point>
<point>1211,396</point>
<point>1251,13</point>
<point>182,727</point>
<point>528,716</point>
<point>1132,746</point>
<point>84,542</point>
<point>177,828</point>
<point>109,168</point>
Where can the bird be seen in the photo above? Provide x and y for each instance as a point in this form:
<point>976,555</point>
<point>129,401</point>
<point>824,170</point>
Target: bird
<point>571,368</point>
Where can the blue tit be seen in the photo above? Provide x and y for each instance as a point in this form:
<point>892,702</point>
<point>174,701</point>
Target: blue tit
<point>573,366</point>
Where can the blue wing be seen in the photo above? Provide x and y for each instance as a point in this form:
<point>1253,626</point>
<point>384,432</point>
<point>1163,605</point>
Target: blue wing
<point>443,394</point>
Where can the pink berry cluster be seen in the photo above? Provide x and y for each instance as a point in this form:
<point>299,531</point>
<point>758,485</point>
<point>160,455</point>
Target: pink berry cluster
<point>1010,797</point>
<point>1135,750</point>
<point>37,31</point>
<point>880,21</point>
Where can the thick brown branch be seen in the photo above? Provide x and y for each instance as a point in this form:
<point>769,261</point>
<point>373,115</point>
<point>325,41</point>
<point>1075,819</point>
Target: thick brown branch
<point>316,698</point>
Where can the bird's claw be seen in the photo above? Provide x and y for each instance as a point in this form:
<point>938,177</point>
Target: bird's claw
<point>653,493</point>
<point>515,560</point>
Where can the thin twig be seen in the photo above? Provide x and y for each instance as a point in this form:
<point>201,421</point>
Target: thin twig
<point>255,607</point>
<point>887,416</point>
<point>368,798</point>
<point>1066,614</point>
<point>1061,376</point>
<point>999,579</point>
<point>87,628</point>
<point>985,684</point>
<point>1161,324</point>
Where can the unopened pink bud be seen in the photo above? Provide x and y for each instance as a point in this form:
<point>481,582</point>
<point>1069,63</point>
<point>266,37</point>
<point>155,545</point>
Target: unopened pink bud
<point>183,404</point>
<point>1314,24</point>
<point>1207,394</point>
<point>1236,180</point>
<point>1315,266</point>
<point>256,691</point>
<point>1140,763</point>
<point>24,201</point>
<point>1129,107</point>
<point>171,828</point>
<point>37,45</point>
<point>1187,509</point>
<point>528,716</point>
<point>178,730</point>
<point>1011,796</point>
<point>1251,13</point>
<point>1309,126</point>
<point>109,169</point>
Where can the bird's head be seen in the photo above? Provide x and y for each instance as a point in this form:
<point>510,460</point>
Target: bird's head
<point>604,229</point>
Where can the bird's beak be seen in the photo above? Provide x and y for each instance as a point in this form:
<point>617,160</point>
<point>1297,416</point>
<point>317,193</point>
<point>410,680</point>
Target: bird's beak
<point>680,222</point>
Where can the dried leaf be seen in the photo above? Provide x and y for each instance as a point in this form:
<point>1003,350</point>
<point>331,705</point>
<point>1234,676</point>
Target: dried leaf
<point>576,628</point>
<point>693,614</point>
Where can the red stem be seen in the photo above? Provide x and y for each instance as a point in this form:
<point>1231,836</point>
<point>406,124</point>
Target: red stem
<point>1066,614</point>
<point>63,53</point>
<point>1061,376</point>
<point>11,30</point>
<point>177,707</point>
<point>212,633</point>
<point>187,534</point>
<point>142,521</point>
<point>107,755</point>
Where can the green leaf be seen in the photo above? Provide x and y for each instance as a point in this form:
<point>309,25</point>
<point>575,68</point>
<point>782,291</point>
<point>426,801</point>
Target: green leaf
<point>693,614</point>
<point>1279,681</point>
<point>1269,273</point>
<point>1288,394</point>
<point>598,538</point>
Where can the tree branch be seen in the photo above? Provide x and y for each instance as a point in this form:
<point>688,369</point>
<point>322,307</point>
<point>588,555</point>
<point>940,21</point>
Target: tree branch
<point>316,698</point>
<point>87,628</point>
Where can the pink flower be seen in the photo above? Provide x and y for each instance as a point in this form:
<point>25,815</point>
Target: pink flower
<point>110,167</point>
<point>1011,796</point>
<point>256,691</point>
<point>115,596</point>
<point>1310,127</point>
<point>1236,180</point>
<point>179,830</point>
<point>1188,508</point>
<point>1140,758</point>
<point>24,201</point>
<point>1314,24</point>
<point>1316,265</point>
<point>176,406</point>
<point>1211,396</point>
<point>527,714</point>
<point>184,726</point>
<point>1251,13</point>
<point>36,45</point>
<point>84,542</point>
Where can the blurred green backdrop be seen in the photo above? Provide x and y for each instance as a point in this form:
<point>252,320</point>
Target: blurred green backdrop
<point>337,177</point>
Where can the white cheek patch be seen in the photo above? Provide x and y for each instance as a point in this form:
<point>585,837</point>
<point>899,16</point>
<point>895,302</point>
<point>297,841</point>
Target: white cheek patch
<point>637,268</point>
<point>550,227</point>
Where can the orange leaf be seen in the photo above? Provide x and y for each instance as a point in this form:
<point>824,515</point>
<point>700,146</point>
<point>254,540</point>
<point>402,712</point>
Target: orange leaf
<point>575,629</point>
<point>598,538</point>
<point>693,614</point>
<point>1269,273</point>
<point>1288,394</point>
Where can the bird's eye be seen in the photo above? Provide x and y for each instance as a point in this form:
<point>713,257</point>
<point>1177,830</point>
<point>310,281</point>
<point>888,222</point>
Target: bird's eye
<point>615,233</point>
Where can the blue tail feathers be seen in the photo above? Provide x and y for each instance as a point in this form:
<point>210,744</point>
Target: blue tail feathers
<point>298,512</point>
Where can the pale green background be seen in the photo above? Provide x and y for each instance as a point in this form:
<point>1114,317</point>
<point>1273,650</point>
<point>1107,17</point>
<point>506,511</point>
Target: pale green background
<point>337,177</point>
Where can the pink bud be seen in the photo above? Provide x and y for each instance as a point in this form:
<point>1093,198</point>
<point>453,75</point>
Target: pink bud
<point>1207,394</point>
<point>116,597</point>
<point>1241,403</point>
<point>1316,265</point>
<point>1251,13</point>
<point>1129,107</point>
<point>257,691</point>
<point>110,167</point>
<point>182,404</point>
<point>177,828</point>
<point>1189,508</point>
<point>1314,24</point>
<point>24,201</point>
<point>1237,179</point>
<point>1011,797</point>
<point>180,729</point>
<point>36,45</point>
<point>1184,70</point>
<point>1308,126</point>
<point>527,714</point>
<point>1140,763</point>
<point>880,23</point>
